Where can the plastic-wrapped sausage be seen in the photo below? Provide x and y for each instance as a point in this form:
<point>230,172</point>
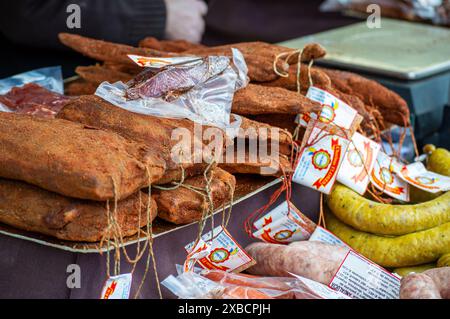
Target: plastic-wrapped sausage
<point>314,260</point>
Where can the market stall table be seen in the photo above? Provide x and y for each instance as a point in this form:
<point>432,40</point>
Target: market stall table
<point>35,266</point>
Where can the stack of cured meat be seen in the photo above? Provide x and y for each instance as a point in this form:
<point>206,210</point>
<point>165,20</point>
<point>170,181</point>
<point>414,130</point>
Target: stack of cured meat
<point>72,166</point>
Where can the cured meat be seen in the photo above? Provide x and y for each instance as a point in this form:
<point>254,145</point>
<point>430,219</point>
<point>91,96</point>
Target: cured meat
<point>97,74</point>
<point>284,121</point>
<point>248,165</point>
<point>318,77</point>
<point>391,106</point>
<point>252,130</point>
<point>260,57</point>
<point>106,51</point>
<point>79,87</point>
<point>154,132</point>
<point>171,80</point>
<point>258,99</point>
<point>35,100</point>
<point>169,45</point>
<point>31,208</point>
<point>182,205</point>
<point>73,159</point>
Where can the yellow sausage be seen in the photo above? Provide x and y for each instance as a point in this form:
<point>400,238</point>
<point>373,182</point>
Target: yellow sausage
<point>439,161</point>
<point>384,219</point>
<point>404,271</point>
<point>408,250</point>
<point>444,261</point>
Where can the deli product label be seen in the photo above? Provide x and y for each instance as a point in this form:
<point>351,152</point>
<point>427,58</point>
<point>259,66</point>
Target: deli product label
<point>117,287</point>
<point>333,109</point>
<point>320,161</point>
<point>417,175</point>
<point>284,225</point>
<point>360,278</point>
<point>384,178</point>
<point>322,235</point>
<point>158,62</point>
<point>358,162</point>
<point>222,252</point>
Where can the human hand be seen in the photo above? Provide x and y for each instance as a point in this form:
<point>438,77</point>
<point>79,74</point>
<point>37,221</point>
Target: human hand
<point>185,19</point>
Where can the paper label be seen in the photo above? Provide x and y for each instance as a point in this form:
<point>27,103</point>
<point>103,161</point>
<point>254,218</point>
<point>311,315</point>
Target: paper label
<point>358,163</point>
<point>320,289</point>
<point>416,174</point>
<point>222,253</point>
<point>384,178</point>
<point>117,287</point>
<point>283,227</point>
<point>358,277</point>
<point>158,62</point>
<point>319,163</point>
<point>281,211</point>
<point>333,109</point>
<point>322,235</point>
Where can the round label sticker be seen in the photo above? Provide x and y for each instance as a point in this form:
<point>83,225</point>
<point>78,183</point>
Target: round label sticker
<point>283,234</point>
<point>321,159</point>
<point>354,158</point>
<point>386,175</point>
<point>425,180</point>
<point>219,255</point>
<point>327,114</point>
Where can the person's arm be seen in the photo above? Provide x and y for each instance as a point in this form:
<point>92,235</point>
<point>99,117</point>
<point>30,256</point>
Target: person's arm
<point>38,22</point>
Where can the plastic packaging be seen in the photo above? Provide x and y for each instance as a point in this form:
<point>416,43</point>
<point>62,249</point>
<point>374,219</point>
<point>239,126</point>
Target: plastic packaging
<point>201,91</point>
<point>219,284</point>
<point>37,92</point>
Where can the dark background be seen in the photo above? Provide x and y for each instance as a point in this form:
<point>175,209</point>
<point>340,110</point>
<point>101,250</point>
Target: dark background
<point>226,22</point>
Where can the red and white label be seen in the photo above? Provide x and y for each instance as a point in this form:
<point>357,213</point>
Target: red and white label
<point>158,62</point>
<point>360,278</point>
<point>333,110</point>
<point>358,162</point>
<point>319,163</point>
<point>117,287</point>
<point>417,175</point>
<point>384,178</point>
<point>282,227</point>
<point>222,253</point>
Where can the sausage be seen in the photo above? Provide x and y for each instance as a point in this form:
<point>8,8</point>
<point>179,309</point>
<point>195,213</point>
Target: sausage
<point>404,271</point>
<point>431,284</point>
<point>439,161</point>
<point>444,261</point>
<point>384,219</point>
<point>407,250</point>
<point>314,260</point>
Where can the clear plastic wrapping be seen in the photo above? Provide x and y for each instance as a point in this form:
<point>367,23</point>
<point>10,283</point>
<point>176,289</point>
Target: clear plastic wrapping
<point>201,90</point>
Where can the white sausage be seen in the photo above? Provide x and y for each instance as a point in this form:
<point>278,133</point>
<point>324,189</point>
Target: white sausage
<point>431,284</point>
<point>314,260</point>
